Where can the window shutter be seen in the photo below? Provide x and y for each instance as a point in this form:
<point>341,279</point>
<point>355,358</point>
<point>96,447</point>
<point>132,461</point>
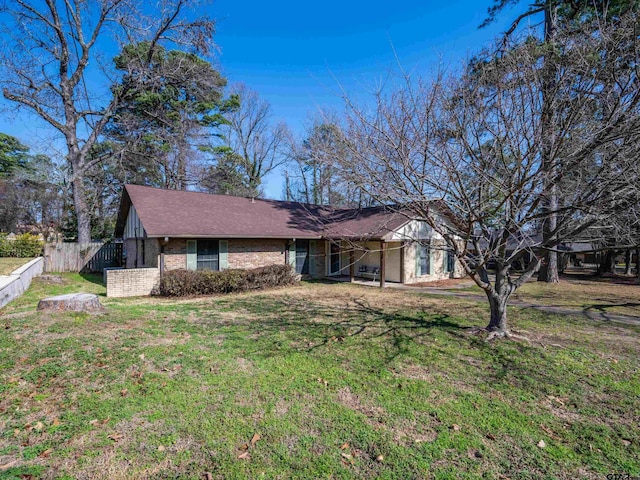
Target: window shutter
<point>418,252</point>
<point>312,257</point>
<point>430,257</point>
<point>223,254</point>
<point>292,254</point>
<point>192,254</point>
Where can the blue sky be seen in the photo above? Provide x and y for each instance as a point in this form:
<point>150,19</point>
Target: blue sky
<point>296,54</point>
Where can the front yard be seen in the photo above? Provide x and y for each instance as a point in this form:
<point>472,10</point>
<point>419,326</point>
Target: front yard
<point>315,381</point>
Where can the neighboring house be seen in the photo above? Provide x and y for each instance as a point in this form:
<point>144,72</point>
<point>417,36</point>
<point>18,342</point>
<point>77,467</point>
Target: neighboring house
<point>170,229</point>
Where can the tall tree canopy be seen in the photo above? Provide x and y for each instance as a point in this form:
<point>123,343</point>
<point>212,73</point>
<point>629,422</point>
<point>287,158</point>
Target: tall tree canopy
<point>30,191</point>
<point>13,155</point>
<point>313,175</point>
<point>558,19</point>
<point>170,102</point>
<point>53,59</point>
<point>250,145</point>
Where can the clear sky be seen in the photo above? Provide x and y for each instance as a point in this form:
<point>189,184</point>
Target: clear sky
<point>295,54</point>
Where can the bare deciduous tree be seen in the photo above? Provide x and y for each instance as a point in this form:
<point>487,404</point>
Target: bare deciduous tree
<point>313,175</point>
<point>475,143</point>
<point>52,53</point>
<point>252,145</point>
<point>565,17</point>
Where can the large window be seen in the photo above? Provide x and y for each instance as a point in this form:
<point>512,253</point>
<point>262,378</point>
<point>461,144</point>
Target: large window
<point>425,253</point>
<point>208,255</point>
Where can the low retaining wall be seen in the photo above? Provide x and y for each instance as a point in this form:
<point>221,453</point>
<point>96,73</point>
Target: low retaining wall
<point>14,285</point>
<point>132,282</point>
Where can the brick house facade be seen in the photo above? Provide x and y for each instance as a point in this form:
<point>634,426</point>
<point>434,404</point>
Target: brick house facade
<point>168,229</point>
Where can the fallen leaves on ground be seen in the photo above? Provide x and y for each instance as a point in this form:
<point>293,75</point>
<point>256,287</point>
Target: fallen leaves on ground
<point>8,465</point>
<point>46,453</point>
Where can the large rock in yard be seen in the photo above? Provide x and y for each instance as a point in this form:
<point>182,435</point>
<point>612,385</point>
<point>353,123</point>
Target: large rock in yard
<point>71,302</point>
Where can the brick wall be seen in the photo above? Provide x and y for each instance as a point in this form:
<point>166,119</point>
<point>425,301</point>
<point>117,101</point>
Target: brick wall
<point>134,250</point>
<point>175,254</point>
<point>151,252</point>
<point>243,253</point>
<point>132,282</point>
<point>130,252</point>
<point>253,253</point>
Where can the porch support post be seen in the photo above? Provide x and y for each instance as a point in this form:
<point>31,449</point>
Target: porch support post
<point>352,267</point>
<point>382,262</point>
<point>402,246</point>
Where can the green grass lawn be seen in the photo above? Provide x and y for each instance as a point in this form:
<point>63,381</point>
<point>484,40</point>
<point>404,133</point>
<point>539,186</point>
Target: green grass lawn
<point>315,381</point>
<point>9,264</point>
<point>620,295</point>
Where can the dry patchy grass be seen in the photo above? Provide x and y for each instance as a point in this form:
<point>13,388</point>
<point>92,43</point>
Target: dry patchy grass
<point>338,381</point>
<point>9,264</point>
<point>585,293</point>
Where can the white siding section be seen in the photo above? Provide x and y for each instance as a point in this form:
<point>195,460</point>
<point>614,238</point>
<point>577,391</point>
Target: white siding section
<point>134,228</point>
<point>392,264</point>
<point>415,230</point>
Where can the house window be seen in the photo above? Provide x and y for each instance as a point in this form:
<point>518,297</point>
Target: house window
<point>208,255</point>
<point>449,261</point>
<point>425,253</point>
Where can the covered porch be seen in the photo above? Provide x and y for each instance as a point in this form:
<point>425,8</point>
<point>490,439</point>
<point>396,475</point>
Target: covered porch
<point>368,262</point>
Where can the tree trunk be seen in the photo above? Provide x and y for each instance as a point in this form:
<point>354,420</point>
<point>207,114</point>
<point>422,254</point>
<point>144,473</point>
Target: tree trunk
<point>607,263</point>
<point>549,270</point>
<point>498,303</point>
<point>82,213</point>
<point>627,262</point>
<point>498,321</point>
<point>638,264</point>
<point>181,174</point>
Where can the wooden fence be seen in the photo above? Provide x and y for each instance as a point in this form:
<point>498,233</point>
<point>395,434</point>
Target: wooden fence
<point>85,258</point>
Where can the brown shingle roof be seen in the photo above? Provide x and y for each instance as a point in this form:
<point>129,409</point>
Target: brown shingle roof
<point>175,213</point>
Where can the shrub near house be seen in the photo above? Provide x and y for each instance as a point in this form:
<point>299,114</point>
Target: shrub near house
<point>181,283</point>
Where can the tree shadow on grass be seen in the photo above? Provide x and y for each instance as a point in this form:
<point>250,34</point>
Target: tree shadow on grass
<point>601,311</point>
<point>312,326</point>
<point>95,278</point>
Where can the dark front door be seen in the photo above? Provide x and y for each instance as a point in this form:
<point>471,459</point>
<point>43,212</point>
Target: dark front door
<point>302,256</point>
<point>335,258</point>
